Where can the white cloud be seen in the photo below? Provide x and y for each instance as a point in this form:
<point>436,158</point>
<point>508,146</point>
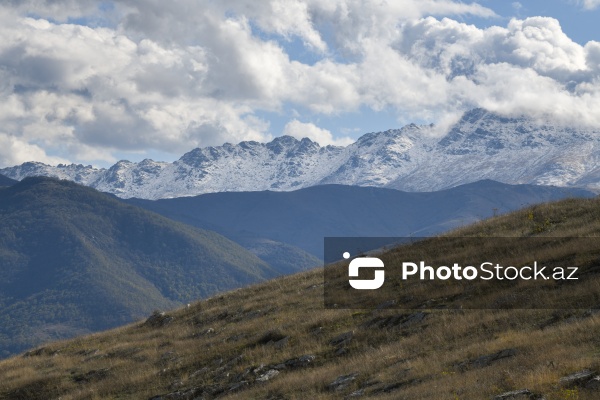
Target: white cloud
<point>322,136</point>
<point>59,10</point>
<point>71,88</point>
<point>15,151</point>
<point>453,48</point>
<point>169,76</point>
<point>592,55</point>
<point>590,4</point>
<point>529,66</point>
<point>284,17</point>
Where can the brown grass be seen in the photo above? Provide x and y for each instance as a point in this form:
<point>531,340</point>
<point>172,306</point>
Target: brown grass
<point>215,341</point>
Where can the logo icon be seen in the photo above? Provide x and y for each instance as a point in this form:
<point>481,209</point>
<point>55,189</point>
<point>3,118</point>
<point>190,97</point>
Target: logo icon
<point>365,262</point>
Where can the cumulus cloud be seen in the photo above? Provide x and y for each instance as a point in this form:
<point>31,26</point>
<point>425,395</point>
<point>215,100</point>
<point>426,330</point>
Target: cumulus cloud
<point>322,136</point>
<point>453,48</point>
<point>530,66</point>
<point>71,87</point>
<point>135,75</point>
<point>15,151</point>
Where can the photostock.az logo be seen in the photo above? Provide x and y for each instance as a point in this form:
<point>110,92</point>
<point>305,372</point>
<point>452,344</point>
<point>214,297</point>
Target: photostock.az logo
<point>365,262</point>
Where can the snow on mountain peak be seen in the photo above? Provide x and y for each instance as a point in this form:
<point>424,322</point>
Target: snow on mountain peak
<point>481,145</point>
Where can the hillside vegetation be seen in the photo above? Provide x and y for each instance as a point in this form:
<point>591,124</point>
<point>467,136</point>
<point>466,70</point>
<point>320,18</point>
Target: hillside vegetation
<point>73,260</point>
<point>302,218</point>
<point>275,340</point>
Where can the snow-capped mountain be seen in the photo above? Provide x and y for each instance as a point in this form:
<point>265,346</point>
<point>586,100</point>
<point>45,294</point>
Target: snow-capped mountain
<point>482,145</point>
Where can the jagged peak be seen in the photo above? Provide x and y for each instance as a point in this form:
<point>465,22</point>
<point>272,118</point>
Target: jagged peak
<point>191,153</point>
<point>278,143</point>
<point>474,114</point>
<point>401,158</point>
<point>308,140</point>
<point>306,143</point>
<point>121,163</point>
<point>478,115</point>
<point>34,164</point>
<point>371,137</point>
<point>284,140</point>
<point>248,144</point>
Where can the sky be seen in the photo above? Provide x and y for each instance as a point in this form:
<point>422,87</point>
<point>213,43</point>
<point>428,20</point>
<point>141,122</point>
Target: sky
<point>93,82</point>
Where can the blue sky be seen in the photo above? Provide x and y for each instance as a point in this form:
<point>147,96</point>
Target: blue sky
<point>93,82</point>
<point>579,23</point>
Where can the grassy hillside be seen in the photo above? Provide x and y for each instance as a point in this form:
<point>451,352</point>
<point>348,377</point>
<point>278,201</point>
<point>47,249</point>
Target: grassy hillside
<point>73,260</point>
<point>275,340</point>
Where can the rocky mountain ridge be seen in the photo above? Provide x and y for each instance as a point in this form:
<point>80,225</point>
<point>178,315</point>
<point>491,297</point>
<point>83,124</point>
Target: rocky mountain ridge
<point>481,145</point>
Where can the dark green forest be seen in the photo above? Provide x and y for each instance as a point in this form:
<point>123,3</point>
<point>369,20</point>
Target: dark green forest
<point>74,260</point>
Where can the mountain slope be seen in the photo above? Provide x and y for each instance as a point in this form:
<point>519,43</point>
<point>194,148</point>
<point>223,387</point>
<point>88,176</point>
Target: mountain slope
<point>284,258</point>
<point>6,181</point>
<point>276,341</point>
<point>481,145</point>
<point>304,217</point>
<point>75,260</point>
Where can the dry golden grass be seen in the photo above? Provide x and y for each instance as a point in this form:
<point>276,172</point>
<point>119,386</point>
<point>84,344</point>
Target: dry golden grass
<point>217,343</point>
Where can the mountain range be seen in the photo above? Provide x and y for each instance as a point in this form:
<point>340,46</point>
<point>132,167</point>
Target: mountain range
<point>302,218</point>
<point>74,260</point>
<point>276,340</point>
<point>6,181</point>
<point>481,145</point>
